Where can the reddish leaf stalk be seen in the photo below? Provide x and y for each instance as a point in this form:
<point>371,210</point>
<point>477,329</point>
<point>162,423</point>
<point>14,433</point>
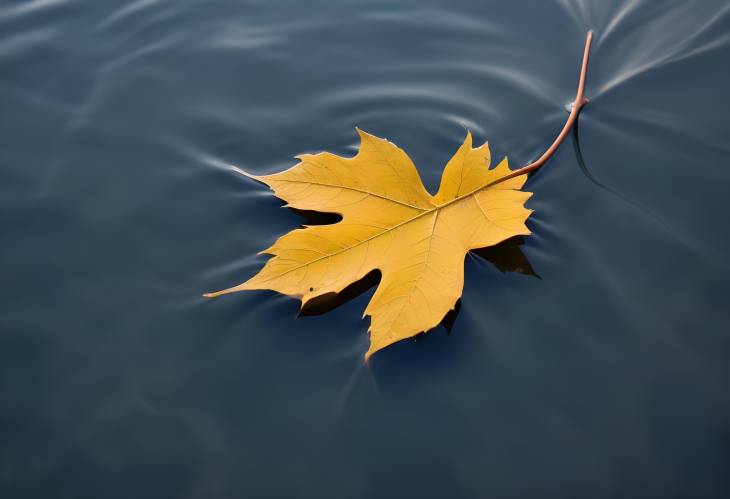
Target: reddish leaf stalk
<point>578,104</point>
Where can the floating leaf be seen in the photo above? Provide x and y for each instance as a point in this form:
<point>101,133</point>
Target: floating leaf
<point>390,223</point>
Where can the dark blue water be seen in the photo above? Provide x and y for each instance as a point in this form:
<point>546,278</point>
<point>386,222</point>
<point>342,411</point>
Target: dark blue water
<point>607,376</point>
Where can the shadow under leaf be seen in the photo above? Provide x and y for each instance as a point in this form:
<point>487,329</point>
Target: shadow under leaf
<point>508,257</point>
<point>329,301</point>
<point>312,217</point>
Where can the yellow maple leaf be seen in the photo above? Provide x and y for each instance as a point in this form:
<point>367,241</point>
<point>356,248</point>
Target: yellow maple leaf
<point>416,240</point>
<point>390,223</point>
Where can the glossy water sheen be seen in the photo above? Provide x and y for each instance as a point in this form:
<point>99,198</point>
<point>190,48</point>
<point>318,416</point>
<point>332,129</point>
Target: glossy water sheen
<point>605,377</point>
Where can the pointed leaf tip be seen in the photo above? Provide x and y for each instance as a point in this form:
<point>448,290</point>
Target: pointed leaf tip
<point>245,173</point>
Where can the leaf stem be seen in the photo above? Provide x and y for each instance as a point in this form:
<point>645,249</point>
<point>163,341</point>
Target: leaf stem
<point>578,104</point>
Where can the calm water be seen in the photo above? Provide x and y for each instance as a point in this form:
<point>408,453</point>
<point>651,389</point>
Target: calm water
<point>607,376</point>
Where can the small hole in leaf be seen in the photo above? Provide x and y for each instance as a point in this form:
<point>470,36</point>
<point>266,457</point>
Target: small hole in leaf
<point>311,289</point>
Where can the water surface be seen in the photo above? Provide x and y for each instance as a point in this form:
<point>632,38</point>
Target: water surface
<point>607,376</point>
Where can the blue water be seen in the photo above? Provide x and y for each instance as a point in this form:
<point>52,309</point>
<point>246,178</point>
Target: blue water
<point>607,376</point>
